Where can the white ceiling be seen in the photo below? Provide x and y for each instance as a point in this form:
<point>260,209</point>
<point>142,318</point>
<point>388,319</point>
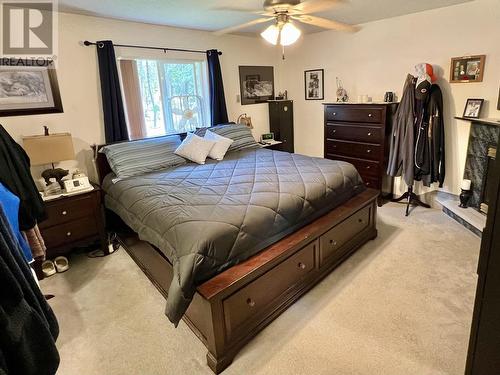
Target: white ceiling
<point>201,15</point>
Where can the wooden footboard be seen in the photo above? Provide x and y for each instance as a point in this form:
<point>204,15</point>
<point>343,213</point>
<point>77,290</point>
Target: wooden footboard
<point>231,308</point>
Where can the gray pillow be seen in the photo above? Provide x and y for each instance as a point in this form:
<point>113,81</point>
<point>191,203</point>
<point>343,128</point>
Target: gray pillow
<point>240,134</point>
<point>134,158</point>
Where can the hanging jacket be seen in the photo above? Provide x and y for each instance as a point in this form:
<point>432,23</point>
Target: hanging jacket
<point>402,144</point>
<point>10,204</point>
<point>430,149</point>
<point>27,324</point>
<point>15,174</point>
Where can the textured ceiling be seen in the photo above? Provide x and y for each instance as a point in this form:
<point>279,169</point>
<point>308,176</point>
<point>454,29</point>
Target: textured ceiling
<point>201,15</point>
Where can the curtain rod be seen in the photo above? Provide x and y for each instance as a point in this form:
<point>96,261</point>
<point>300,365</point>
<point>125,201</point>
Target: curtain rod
<point>164,49</point>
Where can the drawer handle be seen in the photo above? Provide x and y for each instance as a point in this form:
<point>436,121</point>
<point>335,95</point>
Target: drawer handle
<point>334,131</point>
<point>367,183</point>
<point>64,213</point>
<point>368,167</point>
<point>369,134</point>
<point>360,220</point>
<point>68,234</point>
<point>250,302</point>
<point>333,242</point>
<point>302,266</point>
<point>334,113</point>
<point>368,150</point>
<point>370,115</point>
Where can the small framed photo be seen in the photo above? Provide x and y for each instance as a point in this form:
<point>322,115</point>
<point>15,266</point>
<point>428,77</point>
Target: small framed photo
<point>467,69</point>
<point>28,87</point>
<point>473,108</point>
<point>314,84</point>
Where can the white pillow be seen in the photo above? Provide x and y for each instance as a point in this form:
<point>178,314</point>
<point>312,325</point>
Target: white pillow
<point>195,148</point>
<point>221,147</point>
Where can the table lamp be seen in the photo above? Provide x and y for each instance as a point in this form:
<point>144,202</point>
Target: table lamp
<point>50,149</point>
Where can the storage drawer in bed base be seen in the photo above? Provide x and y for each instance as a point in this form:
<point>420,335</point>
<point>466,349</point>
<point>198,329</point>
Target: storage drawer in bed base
<point>232,307</point>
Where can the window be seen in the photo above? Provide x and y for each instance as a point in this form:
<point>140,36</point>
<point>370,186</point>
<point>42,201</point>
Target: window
<point>165,96</point>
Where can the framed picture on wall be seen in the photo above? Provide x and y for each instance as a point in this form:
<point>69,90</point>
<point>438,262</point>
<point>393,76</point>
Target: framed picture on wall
<point>29,87</point>
<point>467,69</point>
<point>314,82</point>
<point>256,84</point>
<point>473,108</point>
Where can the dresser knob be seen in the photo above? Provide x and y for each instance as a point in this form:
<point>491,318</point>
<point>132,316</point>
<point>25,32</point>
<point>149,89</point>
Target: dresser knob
<point>334,131</point>
<point>302,266</point>
<point>333,242</point>
<point>64,213</point>
<point>334,113</point>
<point>368,151</point>
<point>68,234</point>
<point>360,220</point>
<point>370,115</point>
<point>369,134</point>
<point>367,184</point>
<point>250,302</point>
<point>368,167</point>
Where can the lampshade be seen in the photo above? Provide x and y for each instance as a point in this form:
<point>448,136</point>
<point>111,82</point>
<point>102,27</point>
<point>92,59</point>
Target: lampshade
<point>289,34</point>
<point>271,34</point>
<point>47,149</point>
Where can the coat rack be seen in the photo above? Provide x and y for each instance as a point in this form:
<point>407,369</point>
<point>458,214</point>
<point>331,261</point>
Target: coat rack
<point>411,199</point>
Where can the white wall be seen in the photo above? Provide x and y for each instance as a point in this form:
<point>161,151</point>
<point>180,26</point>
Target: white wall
<point>377,59</point>
<point>79,80</point>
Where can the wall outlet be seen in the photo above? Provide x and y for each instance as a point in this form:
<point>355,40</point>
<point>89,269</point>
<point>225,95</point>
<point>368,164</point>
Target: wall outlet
<point>238,98</point>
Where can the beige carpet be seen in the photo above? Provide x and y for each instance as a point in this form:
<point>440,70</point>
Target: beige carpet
<point>401,305</point>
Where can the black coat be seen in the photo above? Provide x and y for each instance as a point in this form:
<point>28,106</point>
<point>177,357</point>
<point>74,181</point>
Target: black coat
<point>15,174</point>
<point>429,147</point>
<point>28,327</point>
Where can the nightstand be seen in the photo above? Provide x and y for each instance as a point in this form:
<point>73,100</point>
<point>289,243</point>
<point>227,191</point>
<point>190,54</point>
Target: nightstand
<point>74,220</point>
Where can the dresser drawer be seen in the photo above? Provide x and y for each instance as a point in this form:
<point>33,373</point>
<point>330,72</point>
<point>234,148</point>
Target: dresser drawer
<point>68,209</point>
<point>245,306</point>
<point>371,182</point>
<point>364,167</point>
<point>351,113</point>
<point>331,243</point>
<point>353,149</point>
<point>69,232</point>
<point>369,134</point>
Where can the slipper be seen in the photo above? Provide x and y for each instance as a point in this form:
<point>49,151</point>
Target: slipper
<point>61,264</point>
<point>48,268</point>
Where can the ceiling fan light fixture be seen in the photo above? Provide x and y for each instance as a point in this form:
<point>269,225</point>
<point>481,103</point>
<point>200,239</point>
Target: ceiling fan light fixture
<point>289,34</point>
<point>271,34</point>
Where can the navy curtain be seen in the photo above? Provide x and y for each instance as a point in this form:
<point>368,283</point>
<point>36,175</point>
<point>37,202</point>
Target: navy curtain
<point>218,110</point>
<point>115,126</point>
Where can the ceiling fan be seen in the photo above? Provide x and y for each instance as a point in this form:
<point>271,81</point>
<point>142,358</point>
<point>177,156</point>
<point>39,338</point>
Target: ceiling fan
<point>284,13</point>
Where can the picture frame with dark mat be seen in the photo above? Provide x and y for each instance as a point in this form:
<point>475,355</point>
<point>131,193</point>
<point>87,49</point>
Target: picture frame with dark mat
<point>473,108</point>
<point>256,84</point>
<point>29,87</point>
<point>314,84</point>
<point>467,69</point>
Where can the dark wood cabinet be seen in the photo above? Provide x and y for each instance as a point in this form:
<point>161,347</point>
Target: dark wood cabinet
<point>72,221</point>
<point>359,134</point>
<point>281,123</point>
<point>484,345</point>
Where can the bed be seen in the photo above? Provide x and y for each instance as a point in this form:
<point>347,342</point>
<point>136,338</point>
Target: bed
<point>232,243</point>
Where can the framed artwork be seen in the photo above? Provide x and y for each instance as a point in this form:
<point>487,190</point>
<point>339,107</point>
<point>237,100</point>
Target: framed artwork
<point>314,81</point>
<point>29,89</point>
<point>473,108</point>
<point>467,69</point>
<point>256,84</point>
<point>498,104</point>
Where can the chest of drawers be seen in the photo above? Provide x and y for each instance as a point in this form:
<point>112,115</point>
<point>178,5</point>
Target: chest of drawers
<point>359,134</point>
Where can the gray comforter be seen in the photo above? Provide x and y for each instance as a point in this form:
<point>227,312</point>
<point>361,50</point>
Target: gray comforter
<point>206,218</point>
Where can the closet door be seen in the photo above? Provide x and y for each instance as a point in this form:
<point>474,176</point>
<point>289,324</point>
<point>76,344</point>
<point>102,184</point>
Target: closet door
<point>484,345</point>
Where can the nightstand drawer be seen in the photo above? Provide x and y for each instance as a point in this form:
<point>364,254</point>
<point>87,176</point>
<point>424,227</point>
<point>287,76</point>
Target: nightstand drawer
<point>62,211</point>
<point>69,232</point>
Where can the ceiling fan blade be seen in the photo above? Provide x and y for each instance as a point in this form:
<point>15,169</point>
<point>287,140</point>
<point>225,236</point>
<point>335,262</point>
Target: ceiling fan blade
<point>326,24</point>
<point>242,26</point>
<point>315,6</point>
